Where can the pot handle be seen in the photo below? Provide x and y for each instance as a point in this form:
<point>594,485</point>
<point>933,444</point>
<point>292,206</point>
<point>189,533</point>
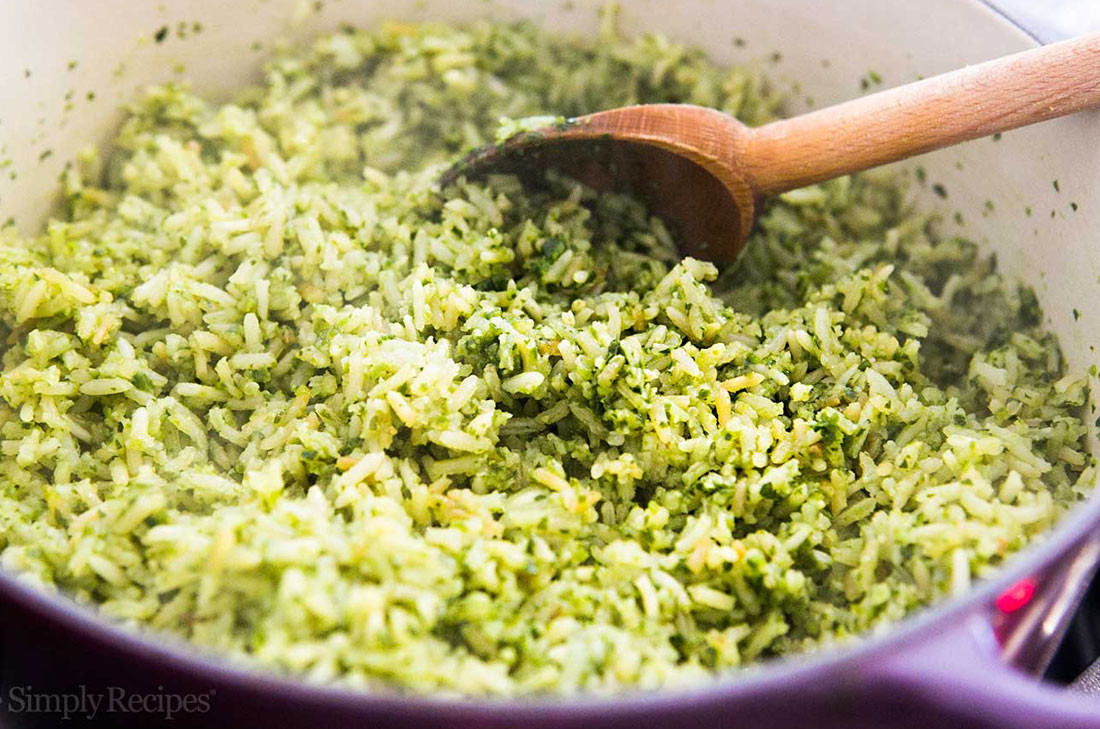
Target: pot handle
<point>983,668</point>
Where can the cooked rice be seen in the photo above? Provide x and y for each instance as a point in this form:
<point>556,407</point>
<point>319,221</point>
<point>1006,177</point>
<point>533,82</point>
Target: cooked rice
<point>267,388</point>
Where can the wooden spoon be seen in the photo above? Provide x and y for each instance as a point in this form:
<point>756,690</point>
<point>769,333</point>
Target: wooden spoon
<point>705,172</point>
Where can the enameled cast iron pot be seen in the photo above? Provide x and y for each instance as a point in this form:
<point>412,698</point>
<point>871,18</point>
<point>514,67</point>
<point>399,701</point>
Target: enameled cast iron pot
<point>967,662</point>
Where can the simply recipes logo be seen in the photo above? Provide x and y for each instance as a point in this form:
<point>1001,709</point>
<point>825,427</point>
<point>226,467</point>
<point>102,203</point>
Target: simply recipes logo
<point>83,703</point>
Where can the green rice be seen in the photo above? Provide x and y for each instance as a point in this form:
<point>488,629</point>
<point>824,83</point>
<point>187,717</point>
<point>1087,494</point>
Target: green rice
<point>267,388</point>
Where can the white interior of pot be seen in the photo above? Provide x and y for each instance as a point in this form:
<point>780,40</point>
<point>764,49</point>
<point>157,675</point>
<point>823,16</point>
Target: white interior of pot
<point>67,66</point>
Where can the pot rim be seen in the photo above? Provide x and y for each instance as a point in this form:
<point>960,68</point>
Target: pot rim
<point>776,675</point>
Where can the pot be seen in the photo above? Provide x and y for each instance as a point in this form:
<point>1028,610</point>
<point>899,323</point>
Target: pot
<point>968,662</point>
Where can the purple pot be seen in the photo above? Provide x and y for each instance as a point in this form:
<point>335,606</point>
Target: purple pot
<point>969,662</point>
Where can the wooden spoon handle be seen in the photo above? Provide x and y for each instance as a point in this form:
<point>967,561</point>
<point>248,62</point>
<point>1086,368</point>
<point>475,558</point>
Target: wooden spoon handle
<point>972,102</point>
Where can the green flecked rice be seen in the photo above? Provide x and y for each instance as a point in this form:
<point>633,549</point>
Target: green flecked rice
<point>267,388</point>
